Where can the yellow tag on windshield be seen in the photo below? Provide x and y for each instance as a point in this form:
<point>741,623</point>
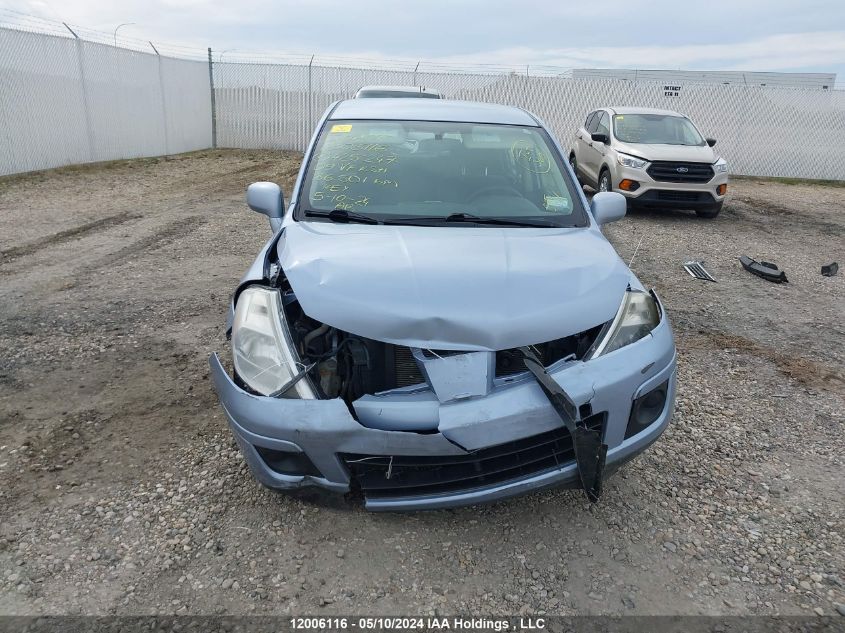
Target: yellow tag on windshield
<point>619,117</point>
<point>341,128</point>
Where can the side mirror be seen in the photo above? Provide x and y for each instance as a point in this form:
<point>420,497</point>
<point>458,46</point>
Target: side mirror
<point>711,141</point>
<point>608,206</point>
<point>267,198</point>
<point>600,138</point>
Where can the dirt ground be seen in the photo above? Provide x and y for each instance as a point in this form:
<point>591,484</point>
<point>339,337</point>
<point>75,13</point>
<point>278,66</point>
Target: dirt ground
<point>121,490</point>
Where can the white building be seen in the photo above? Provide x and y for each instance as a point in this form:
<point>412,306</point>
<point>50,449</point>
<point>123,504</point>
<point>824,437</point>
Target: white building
<point>811,81</point>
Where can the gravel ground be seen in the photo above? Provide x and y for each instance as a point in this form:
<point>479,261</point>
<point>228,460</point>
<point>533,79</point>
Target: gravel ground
<point>122,491</point>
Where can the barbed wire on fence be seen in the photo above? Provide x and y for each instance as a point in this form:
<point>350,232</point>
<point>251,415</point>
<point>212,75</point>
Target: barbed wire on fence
<point>10,18</point>
<point>71,95</point>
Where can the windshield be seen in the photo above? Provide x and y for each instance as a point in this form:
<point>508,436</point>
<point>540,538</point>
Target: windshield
<point>660,129</point>
<point>399,171</point>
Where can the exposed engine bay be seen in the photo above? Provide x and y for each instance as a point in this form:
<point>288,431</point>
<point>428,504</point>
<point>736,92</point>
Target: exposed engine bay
<point>349,366</point>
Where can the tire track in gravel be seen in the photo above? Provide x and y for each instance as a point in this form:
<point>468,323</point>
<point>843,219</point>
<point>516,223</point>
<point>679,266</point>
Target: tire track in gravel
<point>162,237</point>
<point>803,370</point>
<point>66,236</point>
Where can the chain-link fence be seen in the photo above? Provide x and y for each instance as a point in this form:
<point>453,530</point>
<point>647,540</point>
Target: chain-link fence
<point>761,131</point>
<point>66,100</point>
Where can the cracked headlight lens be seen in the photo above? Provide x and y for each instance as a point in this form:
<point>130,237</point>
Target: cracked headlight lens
<point>262,351</point>
<point>637,317</point>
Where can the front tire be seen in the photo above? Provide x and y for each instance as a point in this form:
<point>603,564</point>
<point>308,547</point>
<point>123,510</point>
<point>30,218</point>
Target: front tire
<point>573,162</point>
<point>710,213</point>
<point>604,181</point>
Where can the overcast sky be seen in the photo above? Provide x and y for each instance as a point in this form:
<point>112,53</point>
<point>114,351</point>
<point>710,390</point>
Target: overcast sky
<point>772,35</point>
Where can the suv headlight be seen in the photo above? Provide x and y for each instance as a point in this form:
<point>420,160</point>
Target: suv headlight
<point>720,166</point>
<point>262,350</point>
<point>637,317</point>
<point>630,161</point>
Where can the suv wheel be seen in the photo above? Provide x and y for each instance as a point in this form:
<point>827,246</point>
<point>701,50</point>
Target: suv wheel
<point>604,181</point>
<point>710,213</point>
<point>573,162</point>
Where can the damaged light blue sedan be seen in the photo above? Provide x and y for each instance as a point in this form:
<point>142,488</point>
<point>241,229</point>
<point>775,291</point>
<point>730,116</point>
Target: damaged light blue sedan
<point>438,319</point>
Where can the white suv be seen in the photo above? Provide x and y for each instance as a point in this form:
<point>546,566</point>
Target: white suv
<point>655,158</point>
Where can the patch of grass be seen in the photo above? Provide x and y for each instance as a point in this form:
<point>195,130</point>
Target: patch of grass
<point>792,181</point>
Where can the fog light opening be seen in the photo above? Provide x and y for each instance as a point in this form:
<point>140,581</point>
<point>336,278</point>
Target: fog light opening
<point>722,189</point>
<point>629,185</point>
<point>287,462</point>
<point>646,409</point>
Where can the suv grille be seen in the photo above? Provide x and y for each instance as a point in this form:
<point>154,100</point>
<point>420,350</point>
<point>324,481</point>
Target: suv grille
<point>679,196</point>
<point>412,476</point>
<point>670,171</point>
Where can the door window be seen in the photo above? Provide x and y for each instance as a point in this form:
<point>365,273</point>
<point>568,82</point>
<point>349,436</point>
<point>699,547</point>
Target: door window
<point>603,126</point>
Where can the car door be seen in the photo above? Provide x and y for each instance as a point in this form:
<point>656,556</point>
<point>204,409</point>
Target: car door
<point>591,154</point>
<point>596,151</point>
<point>580,146</point>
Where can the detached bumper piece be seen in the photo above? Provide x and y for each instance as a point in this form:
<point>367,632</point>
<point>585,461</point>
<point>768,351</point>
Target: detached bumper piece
<point>590,452</point>
<point>766,270</point>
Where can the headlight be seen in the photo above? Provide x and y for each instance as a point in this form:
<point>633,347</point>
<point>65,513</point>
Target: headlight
<point>720,166</point>
<point>638,315</point>
<point>262,351</point>
<point>630,161</point>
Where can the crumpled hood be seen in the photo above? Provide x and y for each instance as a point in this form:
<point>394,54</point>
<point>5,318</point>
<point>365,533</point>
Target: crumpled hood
<point>461,288</point>
<point>680,153</point>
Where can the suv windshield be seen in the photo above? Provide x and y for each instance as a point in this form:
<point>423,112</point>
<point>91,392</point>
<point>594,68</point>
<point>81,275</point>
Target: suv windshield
<point>406,172</point>
<point>661,129</point>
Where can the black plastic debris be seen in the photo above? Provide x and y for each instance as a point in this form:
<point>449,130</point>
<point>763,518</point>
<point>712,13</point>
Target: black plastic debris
<point>697,270</point>
<point>766,270</point>
<point>590,451</point>
<point>830,270</point>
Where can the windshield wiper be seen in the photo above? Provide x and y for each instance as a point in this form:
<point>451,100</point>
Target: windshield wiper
<point>343,216</point>
<point>469,219</point>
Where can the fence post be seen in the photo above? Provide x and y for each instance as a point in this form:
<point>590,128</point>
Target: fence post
<point>89,125</point>
<point>163,102</point>
<point>213,102</point>
<point>310,101</point>
<point>415,73</point>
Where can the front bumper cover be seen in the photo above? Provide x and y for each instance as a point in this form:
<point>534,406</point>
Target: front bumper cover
<point>325,429</point>
<point>664,194</point>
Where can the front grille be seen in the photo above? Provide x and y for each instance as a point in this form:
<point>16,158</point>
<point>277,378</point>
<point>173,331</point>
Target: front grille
<point>671,171</point>
<point>412,476</point>
<point>406,370</point>
<point>510,362</point>
<point>678,196</point>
